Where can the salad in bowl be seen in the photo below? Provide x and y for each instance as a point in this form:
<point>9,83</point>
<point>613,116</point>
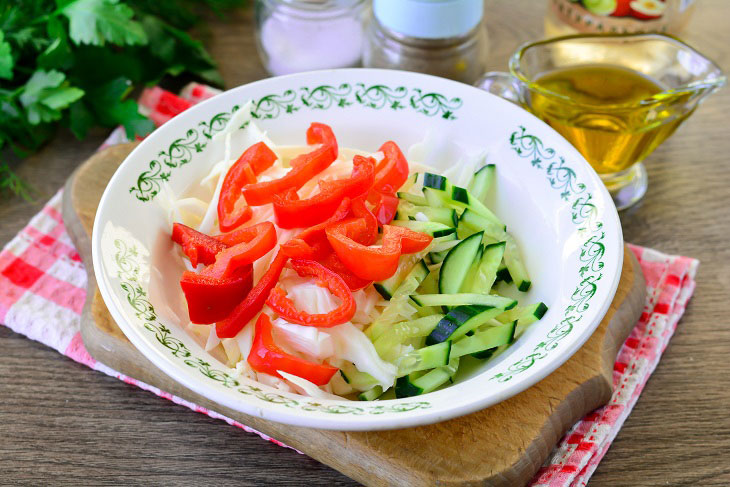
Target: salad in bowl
<point>356,249</point>
<point>343,272</point>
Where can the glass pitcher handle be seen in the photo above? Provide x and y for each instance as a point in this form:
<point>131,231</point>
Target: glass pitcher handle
<point>504,85</point>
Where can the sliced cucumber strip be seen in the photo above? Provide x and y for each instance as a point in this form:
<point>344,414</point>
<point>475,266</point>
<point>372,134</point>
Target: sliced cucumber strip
<point>482,181</point>
<point>430,285</point>
<point>405,387</point>
<point>435,181</point>
<point>406,267</point>
<point>463,197</point>
<point>525,315</point>
<point>437,257</point>
<point>412,181</point>
<point>409,385</point>
<point>409,211</point>
<point>430,228</point>
<point>371,394</point>
<point>413,198</point>
<point>471,274</point>
<point>484,340</point>
<point>457,263</point>
<point>503,273</point>
<point>515,265</point>
<point>360,381</point>
<point>447,216</point>
<point>461,299</point>
<point>425,358</point>
<point>474,222</point>
<point>445,238</point>
<point>459,321</point>
<point>388,344</point>
<point>434,197</point>
<point>444,245</point>
<point>486,270</point>
<point>485,354</point>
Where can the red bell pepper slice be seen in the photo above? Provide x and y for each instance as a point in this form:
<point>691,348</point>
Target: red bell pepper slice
<point>232,209</point>
<point>291,212</point>
<point>333,263</point>
<point>247,309</point>
<point>279,302</point>
<point>386,208</point>
<point>266,357</point>
<point>199,247</point>
<point>392,171</point>
<point>312,244</point>
<point>303,167</point>
<point>255,242</point>
<point>210,299</point>
<point>374,263</point>
<point>360,210</point>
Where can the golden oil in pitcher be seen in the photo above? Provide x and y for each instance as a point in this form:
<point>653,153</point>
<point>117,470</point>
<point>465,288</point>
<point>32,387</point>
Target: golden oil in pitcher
<point>620,131</point>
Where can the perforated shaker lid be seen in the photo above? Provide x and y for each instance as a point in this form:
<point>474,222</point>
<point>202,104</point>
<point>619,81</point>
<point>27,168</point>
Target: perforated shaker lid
<point>429,19</point>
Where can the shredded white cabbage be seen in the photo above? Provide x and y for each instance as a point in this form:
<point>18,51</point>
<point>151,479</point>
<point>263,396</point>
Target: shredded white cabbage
<point>338,385</point>
<point>353,345</point>
<point>308,388</point>
<point>213,340</point>
<point>308,296</point>
<point>308,340</point>
<point>469,165</point>
<point>274,382</point>
<point>230,347</point>
<point>365,300</point>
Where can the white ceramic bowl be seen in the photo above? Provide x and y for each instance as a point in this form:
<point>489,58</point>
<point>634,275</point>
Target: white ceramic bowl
<point>550,198</point>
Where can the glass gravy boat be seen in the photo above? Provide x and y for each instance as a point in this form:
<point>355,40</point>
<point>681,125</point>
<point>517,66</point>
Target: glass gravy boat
<point>614,137</point>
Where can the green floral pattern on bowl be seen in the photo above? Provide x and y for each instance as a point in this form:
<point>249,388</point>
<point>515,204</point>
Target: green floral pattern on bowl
<point>323,97</point>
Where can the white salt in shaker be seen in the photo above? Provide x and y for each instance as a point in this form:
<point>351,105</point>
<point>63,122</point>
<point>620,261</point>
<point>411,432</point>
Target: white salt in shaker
<point>302,35</point>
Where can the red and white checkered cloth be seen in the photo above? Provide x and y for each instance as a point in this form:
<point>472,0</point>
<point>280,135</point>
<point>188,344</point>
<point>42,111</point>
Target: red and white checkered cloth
<point>43,288</point>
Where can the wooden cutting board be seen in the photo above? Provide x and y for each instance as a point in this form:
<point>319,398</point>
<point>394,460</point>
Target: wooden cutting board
<point>501,445</point>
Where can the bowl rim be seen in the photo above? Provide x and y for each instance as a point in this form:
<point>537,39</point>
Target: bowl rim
<point>366,422</point>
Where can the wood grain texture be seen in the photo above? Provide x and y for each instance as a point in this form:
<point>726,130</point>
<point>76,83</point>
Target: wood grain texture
<point>502,445</point>
<point>65,424</point>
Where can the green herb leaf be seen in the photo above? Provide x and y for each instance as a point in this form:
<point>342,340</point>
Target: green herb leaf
<point>134,123</point>
<point>45,94</point>
<point>111,108</point>
<point>6,58</point>
<point>99,21</point>
<point>80,119</point>
<point>58,54</point>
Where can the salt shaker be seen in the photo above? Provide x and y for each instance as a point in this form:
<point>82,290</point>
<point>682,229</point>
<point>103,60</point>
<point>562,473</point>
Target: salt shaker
<point>303,35</point>
<point>446,38</point>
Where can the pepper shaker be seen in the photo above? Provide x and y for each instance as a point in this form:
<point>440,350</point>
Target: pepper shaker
<point>446,38</point>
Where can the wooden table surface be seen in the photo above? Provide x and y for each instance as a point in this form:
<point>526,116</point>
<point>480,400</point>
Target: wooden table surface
<point>61,423</point>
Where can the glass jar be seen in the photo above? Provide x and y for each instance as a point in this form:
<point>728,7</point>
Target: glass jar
<point>445,38</point>
<point>299,35</point>
<point>568,17</point>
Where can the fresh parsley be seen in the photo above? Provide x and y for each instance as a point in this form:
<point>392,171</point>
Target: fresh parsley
<point>74,63</point>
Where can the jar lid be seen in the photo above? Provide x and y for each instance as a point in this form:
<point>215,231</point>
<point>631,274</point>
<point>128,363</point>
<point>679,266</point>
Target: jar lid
<point>429,19</point>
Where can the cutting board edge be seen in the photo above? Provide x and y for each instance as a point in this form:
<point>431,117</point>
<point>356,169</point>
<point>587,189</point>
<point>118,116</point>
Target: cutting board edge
<point>519,471</point>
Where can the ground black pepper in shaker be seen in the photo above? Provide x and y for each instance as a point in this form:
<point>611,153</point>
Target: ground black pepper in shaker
<point>446,38</point>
